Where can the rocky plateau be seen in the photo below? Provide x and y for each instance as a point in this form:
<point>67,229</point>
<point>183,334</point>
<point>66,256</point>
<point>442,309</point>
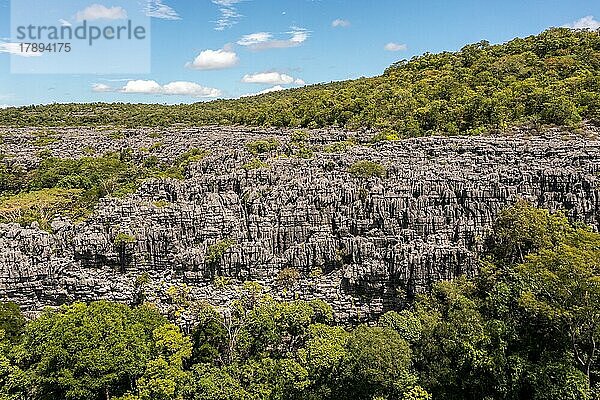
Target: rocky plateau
<point>364,245</point>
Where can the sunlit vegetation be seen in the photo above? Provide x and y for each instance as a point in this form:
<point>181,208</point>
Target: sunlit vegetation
<point>340,147</point>
<point>288,277</point>
<point>123,238</point>
<point>551,78</point>
<point>367,169</point>
<point>526,327</point>
<point>263,146</point>
<point>40,206</point>
<point>215,252</point>
<point>255,163</point>
<point>72,187</point>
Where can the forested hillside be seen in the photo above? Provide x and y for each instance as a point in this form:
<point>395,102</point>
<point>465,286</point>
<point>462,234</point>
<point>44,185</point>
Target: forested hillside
<point>551,78</point>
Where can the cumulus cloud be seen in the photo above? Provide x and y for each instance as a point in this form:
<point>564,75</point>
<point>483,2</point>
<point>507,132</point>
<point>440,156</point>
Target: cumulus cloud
<point>4,106</point>
<point>272,78</point>
<point>269,90</point>
<point>340,23</point>
<point>266,40</point>
<point>229,14</point>
<point>101,88</point>
<point>395,47</point>
<point>214,59</point>
<point>99,11</point>
<point>193,89</point>
<point>142,86</point>
<point>179,88</point>
<point>15,50</point>
<point>587,22</point>
<point>157,9</point>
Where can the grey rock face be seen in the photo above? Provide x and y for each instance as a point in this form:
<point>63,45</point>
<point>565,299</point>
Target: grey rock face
<point>362,244</point>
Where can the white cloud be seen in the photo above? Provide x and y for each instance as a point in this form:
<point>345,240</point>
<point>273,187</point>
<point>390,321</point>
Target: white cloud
<point>99,11</point>
<point>101,88</point>
<point>272,78</point>
<point>4,106</point>
<point>229,14</point>
<point>142,86</point>
<point>254,38</point>
<point>340,23</point>
<point>190,89</point>
<point>265,40</point>
<point>214,59</point>
<point>179,88</point>
<point>587,22</point>
<point>15,50</point>
<point>64,22</point>
<point>269,90</point>
<point>157,9</point>
<point>395,47</point>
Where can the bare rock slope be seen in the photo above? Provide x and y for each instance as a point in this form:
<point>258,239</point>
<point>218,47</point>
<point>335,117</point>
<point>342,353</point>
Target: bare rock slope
<point>362,244</point>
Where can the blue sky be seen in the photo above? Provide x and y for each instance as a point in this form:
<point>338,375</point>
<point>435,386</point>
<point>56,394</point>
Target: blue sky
<point>205,49</point>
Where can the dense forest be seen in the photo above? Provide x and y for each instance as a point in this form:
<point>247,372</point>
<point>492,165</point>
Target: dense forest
<point>527,327</point>
<point>551,78</point>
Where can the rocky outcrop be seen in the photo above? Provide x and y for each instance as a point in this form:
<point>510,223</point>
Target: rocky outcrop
<point>362,244</point>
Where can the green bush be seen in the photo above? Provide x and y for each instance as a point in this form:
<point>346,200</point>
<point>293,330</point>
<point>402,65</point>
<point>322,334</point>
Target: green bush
<point>386,136</point>
<point>12,321</point>
<point>42,206</point>
<point>215,252</point>
<point>288,277</point>
<point>263,146</point>
<point>255,163</point>
<point>340,147</point>
<point>367,169</point>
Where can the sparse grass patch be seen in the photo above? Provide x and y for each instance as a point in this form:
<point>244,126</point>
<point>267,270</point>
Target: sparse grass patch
<point>156,146</point>
<point>190,156</point>
<point>117,135</point>
<point>44,138</point>
<point>220,282</point>
<point>298,147</point>
<point>302,151</point>
<point>88,150</point>
<point>300,136</point>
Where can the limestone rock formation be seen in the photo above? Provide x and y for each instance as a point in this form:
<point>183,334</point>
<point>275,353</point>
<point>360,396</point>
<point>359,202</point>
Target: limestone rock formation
<point>364,244</point>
